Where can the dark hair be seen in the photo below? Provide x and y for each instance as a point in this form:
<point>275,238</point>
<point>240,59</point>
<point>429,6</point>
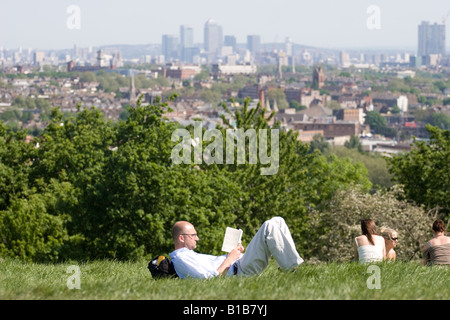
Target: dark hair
<point>368,229</point>
<point>439,226</point>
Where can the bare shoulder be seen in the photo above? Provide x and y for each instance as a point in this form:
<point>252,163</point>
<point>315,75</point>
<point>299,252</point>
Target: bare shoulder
<point>361,240</point>
<point>378,239</point>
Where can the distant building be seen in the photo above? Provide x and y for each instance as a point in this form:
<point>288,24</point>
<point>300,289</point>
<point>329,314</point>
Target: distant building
<point>289,46</point>
<point>431,39</point>
<point>253,44</point>
<point>218,69</point>
<point>318,78</point>
<point>186,36</point>
<point>250,91</point>
<point>169,47</point>
<point>213,39</point>
<point>331,128</point>
<point>344,59</point>
<point>230,41</point>
<point>182,72</point>
<point>38,58</point>
<point>356,115</point>
<point>305,96</point>
<point>132,91</point>
<point>187,48</point>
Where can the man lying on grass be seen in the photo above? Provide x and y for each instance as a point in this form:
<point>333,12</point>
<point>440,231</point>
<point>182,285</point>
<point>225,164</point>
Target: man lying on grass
<point>272,239</point>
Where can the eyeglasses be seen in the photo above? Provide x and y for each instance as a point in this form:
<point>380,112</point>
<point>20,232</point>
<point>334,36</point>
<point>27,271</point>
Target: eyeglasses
<point>394,239</point>
<point>193,235</point>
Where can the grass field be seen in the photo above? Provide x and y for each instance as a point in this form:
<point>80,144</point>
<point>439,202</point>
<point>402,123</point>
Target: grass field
<point>112,280</point>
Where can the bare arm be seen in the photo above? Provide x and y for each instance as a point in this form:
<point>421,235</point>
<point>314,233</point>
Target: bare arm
<point>230,259</point>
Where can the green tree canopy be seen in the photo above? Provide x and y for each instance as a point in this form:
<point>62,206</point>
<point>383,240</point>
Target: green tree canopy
<point>90,188</point>
<point>425,170</point>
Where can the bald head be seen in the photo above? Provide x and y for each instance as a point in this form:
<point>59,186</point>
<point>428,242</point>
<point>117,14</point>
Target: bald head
<point>179,230</point>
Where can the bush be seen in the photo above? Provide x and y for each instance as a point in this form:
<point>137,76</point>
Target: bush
<point>29,232</point>
<point>336,227</point>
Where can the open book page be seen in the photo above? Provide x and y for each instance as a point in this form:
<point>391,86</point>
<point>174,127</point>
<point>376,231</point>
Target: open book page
<point>232,239</point>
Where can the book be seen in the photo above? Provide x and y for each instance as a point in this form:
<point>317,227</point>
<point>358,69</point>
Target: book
<point>232,239</point>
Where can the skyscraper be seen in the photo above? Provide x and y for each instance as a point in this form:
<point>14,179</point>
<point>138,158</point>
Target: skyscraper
<point>187,49</point>
<point>289,46</point>
<point>186,36</point>
<point>431,39</point>
<point>213,39</point>
<point>230,41</point>
<point>253,43</point>
<point>169,47</point>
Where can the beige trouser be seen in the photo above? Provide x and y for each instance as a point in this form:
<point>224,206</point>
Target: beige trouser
<point>272,239</point>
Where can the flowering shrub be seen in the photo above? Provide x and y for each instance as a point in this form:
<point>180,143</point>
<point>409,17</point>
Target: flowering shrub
<point>338,225</point>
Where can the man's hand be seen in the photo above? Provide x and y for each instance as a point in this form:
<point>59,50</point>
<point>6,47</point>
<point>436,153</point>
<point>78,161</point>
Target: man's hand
<point>236,252</point>
<point>232,256</point>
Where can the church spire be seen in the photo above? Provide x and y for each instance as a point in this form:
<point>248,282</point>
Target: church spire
<point>132,91</point>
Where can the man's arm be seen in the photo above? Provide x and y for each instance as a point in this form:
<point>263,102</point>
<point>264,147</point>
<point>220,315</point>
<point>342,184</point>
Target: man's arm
<point>232,256</point>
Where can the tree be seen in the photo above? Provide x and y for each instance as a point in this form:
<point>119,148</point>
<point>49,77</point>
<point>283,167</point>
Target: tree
<point>376,121</point>
<point>440,120</point>
<point>304,180</point>
<point>425,171</point>
<point>379,124</point>
<point>319,143</point>
<point>296,105</point>
<point>276,94</point>
<point>396,110</point>
<point>376,165</point>
<point>354,143</point>
<point>29,228</point>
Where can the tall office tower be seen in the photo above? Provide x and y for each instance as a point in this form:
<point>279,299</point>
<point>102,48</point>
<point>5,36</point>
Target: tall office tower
<point>38,58</point>
<point>186,36</point>
<point>187,49</point>
<point>213,39</point>
<point>169,47</point>
<point>431,39</point>
<point>230,41</point>
<point>253,44</point>
<point>75,52</point>
<point>344,59</point>
<point>289,45</point>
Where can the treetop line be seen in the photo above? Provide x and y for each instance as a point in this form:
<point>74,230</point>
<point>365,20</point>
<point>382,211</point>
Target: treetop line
<point>235,139</point>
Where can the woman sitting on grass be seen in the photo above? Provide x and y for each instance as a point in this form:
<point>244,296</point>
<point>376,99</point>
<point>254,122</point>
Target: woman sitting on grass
<point>437,249</point>
<point>369,247</point>
<point>390,239</point>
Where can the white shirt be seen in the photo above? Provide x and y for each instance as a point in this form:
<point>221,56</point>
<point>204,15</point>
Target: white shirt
<point>370,253</point>
<point>188,263</point>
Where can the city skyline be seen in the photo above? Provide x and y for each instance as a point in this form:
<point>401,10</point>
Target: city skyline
<point>45,25</point>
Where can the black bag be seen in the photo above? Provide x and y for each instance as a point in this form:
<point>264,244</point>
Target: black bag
<point>162,267</point>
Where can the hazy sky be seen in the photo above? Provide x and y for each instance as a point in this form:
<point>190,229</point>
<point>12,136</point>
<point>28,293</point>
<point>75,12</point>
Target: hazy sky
<point>42,24</point>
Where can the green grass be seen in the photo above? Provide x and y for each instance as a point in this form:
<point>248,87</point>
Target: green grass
<point>112,280</point>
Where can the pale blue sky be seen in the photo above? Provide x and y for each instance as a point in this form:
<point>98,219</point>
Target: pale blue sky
<point>322,23</point>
